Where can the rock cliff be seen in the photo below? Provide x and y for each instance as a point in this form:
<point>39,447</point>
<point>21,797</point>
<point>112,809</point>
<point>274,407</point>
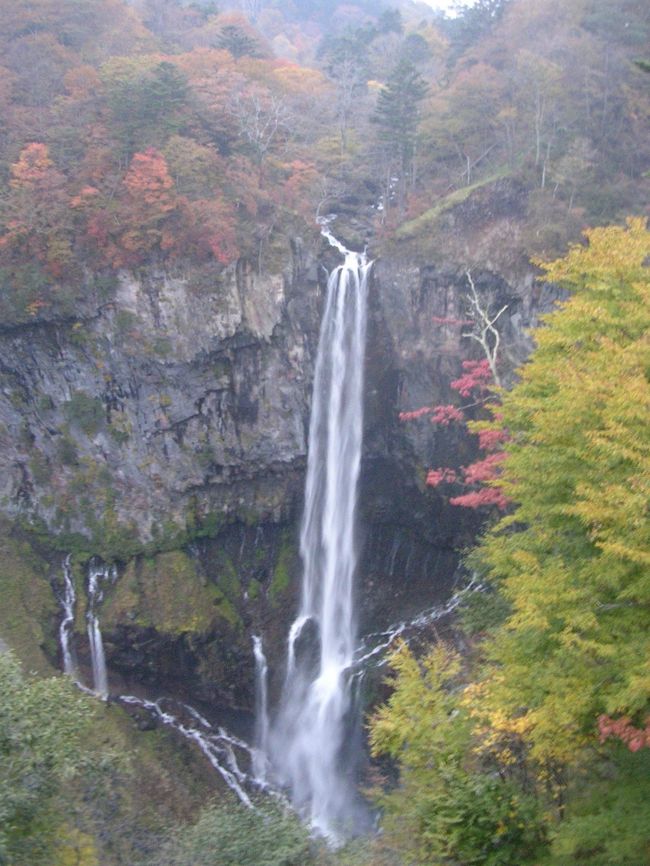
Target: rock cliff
<point>165,429</point>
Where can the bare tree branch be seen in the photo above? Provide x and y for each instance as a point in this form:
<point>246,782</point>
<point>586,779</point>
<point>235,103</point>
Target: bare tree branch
<point>484,332</point>
<point>263,117</point>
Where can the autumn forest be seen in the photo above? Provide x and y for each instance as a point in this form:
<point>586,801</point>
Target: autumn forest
<point>494,161</point>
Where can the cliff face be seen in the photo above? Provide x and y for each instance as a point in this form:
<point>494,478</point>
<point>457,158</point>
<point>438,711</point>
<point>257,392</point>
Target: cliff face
<point>166,429</point>
<point>168,399</point>
<point>420,288</point>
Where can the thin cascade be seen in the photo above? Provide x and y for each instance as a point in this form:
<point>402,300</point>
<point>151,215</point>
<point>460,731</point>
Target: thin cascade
<point>262,725</point>
<point>97,573</point>
<point>218,747</point>
<point>314,719</point>
<point>68,601</point>
<point>393,556</point>
<point>374,649</point>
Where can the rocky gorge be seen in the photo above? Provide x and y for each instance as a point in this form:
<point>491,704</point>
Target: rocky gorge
<point>164,430</point>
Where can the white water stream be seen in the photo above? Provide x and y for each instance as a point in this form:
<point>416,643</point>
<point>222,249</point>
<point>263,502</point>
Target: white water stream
<point>68,604</point>
<point>313,722</point>
<point>374,649</point>
<point>262,724</point>
<point>97,573</point>
<point>218,747</point>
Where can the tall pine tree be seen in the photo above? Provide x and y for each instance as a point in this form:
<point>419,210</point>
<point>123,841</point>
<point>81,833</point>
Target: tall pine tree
<point>397,114</point>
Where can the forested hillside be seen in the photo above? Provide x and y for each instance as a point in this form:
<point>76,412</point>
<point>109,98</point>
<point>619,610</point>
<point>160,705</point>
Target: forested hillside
<point>165,170</point>
<point>172,134</point>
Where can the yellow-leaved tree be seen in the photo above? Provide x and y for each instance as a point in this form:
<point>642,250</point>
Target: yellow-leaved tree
<point>573,557</point>
<point>550,714</point>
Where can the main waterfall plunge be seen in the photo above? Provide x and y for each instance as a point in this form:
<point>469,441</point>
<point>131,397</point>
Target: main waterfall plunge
<point>313,724</point>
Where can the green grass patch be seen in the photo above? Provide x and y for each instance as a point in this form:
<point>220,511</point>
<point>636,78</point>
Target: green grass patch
<point>418,226</point>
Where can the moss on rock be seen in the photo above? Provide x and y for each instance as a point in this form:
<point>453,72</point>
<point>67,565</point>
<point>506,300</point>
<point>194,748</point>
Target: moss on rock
<point>27,603</point>
<point>281,579</point>
<point>164,592</point>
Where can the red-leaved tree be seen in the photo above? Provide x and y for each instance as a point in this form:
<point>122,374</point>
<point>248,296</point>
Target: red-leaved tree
<point>623,729</point>
<point>477,483</point>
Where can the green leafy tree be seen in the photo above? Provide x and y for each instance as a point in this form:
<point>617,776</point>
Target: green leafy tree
<point>561,704</point>
<point>42,724</point>
<point>231,835</point>
<point>147,100</point>
<point>607,814</point>
<point>238,42</point>
<point>573,558</point>
<point>449,808</point>
<point>473,21</point>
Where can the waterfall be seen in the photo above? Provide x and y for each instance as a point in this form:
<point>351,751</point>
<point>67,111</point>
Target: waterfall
<point>314,719</point>
<point>262,726</point>
<point>374,649</point>
<point>68,603</point>
<point>97,572</point>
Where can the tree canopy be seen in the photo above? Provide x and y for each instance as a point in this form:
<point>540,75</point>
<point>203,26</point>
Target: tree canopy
<point>42,725</point>
<point>572,559</point>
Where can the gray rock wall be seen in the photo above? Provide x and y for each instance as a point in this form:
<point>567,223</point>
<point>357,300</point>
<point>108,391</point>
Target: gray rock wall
<point>173,396</point>
<point>174,415</point>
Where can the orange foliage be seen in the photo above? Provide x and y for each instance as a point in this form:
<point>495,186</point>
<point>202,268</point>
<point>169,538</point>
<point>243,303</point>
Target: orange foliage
<point>149,183</point>
<point>199,185</point>
<point>82,82</point>
<point>34,169</point>
<point>207,228</point>
<point>36,223</point>
<point>297,192</point>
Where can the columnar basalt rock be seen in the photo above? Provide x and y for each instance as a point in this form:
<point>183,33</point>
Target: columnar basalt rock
<point>172,416</point>
<point>175,396</point>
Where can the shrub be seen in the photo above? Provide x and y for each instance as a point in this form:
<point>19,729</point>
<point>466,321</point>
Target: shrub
<point>228,834</point>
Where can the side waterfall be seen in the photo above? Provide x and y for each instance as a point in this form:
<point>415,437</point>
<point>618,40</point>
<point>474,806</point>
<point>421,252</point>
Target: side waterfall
<point>220,748</point>
<point>97,572</point>
<point>262,725</point>
<point>68,601</point>
<point>314,719</point>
